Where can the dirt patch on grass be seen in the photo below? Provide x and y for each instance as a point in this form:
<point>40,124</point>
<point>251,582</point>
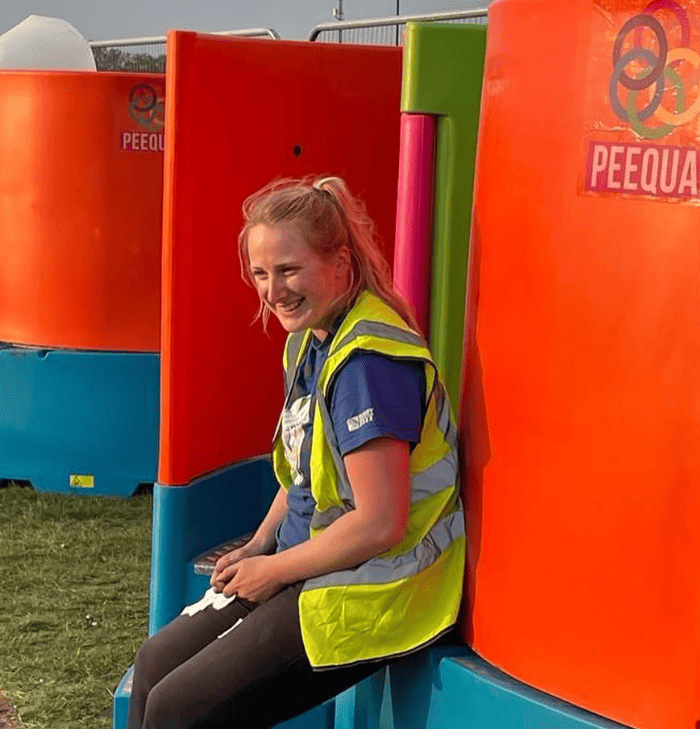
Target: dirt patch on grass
<point>7,714</point>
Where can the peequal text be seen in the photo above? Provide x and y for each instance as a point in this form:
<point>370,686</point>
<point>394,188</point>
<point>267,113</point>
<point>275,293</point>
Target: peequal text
<point>643,169</point>
<point>143,141</point>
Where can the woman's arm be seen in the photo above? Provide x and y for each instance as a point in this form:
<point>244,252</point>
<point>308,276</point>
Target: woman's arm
<point>262,542</point>
<point>379,477</point>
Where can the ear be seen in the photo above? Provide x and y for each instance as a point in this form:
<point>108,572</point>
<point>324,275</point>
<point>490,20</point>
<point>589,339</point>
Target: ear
<point>342,261</point>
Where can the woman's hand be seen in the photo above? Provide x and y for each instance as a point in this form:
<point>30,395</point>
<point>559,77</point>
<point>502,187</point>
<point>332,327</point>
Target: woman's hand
<point>263,542</point>
<point>235,555</point>
<point>250,549</point>
<point>252,578</point>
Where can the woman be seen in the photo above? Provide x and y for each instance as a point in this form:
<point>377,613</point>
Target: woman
<point>360,558</point>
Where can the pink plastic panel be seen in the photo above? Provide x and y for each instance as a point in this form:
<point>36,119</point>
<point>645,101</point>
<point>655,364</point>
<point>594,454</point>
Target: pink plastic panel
<point>414,211</point>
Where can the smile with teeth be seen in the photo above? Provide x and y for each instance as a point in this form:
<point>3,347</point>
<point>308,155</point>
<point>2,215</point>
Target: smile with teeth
<point>290,307</point>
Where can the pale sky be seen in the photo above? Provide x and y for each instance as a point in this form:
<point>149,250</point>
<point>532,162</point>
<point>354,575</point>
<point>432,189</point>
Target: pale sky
<point>110,19</point>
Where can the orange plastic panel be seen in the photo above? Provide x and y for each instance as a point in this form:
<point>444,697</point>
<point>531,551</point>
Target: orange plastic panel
<point>81,185</point>
<point>581,402</point>
<point>241,112</point>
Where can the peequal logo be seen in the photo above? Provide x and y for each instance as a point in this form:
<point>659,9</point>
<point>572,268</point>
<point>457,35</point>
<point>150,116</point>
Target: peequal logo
<point>147,110</point>
<point>653,92</point>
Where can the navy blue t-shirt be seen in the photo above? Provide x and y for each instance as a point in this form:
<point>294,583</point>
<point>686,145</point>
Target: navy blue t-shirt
<point>372,396</point>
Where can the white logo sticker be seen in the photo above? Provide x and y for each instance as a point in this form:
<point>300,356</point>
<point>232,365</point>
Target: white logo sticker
<point>357,421</point>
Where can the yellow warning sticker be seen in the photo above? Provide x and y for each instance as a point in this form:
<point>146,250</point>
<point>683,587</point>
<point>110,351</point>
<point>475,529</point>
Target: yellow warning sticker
<point>81,481</point>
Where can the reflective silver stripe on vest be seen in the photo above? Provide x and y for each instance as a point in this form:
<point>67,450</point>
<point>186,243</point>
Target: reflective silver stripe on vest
<point>322,519</point>
<point>435,478</point>
<point>344,490</point>
<point>293,349</point>
<point>444,414</point>
<point>381,330</point>
<point>380,571</point>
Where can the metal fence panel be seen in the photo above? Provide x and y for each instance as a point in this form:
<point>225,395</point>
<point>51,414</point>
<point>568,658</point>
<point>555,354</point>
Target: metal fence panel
<point>388,30</point>
<point>147,55</point>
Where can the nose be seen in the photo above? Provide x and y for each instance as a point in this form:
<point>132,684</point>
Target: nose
<point>275,288</point>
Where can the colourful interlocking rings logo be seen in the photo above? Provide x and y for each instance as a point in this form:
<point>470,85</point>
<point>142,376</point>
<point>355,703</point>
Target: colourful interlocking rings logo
<point>147,106</point>
<point>658,68</point>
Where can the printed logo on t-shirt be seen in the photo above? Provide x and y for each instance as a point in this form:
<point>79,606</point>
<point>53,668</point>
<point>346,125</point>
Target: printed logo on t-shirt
<point>294,419</point>
<point>357,421</point>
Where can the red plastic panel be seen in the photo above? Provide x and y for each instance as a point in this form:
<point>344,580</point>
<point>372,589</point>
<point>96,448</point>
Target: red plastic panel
<point>414,213</point>
<point>581,406</point>
<point>241,112</point>
<point>81,188</point>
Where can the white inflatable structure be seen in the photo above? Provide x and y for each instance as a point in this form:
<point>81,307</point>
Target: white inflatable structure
<point>46,43</point>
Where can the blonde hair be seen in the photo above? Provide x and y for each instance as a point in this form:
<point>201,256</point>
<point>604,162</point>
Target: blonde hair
<point>329,217</point>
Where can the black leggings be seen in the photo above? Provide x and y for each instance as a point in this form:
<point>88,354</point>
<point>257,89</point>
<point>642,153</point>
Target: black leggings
<point>189,675</point>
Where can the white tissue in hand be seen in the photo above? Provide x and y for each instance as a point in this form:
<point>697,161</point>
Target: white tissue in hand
<point>206,599</point>
<point>41,42</point>
<point>216,599</point>
<point>221,601</point>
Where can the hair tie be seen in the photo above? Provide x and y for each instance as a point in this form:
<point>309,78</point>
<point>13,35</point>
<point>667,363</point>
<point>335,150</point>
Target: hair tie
<point>330,195</point>
<point>319,183</point>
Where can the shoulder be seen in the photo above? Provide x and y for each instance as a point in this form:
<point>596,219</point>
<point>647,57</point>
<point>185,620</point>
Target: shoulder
<point>374,366</point>
<point>370,378</point>
<point>372,324</point>
<point>376,396</point>
<point>370,307</point>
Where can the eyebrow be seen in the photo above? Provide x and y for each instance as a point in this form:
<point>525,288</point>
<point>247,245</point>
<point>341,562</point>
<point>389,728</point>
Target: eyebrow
<point>285,264</point>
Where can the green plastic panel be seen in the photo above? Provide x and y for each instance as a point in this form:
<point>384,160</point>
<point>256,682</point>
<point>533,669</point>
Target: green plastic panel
<point>443,74</point>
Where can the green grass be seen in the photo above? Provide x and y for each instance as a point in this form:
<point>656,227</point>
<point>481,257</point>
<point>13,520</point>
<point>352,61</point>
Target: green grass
<point>74,574</point>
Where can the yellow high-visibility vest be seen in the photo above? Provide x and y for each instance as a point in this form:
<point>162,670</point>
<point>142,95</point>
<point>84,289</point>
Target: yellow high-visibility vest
<point>409,595</point>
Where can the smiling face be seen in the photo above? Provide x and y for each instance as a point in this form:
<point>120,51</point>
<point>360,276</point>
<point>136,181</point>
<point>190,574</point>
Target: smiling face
<point>300,287</point>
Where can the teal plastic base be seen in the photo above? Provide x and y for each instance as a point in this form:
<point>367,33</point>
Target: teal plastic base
<point>79,422</point>
<point>497,701</point>
<point>452,688</point>
<point>120,705</point>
